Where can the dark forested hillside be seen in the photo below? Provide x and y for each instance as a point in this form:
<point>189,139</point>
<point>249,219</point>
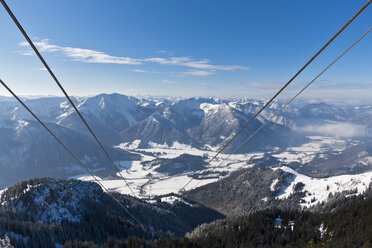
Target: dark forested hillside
<point>45,212</point>
<point>348,226</point>
<point>247,191</point>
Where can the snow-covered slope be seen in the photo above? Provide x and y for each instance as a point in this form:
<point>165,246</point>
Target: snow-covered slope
<point>81,206</point>
<point>252,106</point>
<point>107,115</point>
<point>206,123</point>
<point>156,128</point>
<point>254,189</point>
<point>48,108</point>
<point>318,189</point>
<point>50,200</point>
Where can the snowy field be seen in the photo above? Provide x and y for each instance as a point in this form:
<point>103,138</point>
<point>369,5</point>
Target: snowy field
<point>147,182</point>
<point>319,145</point>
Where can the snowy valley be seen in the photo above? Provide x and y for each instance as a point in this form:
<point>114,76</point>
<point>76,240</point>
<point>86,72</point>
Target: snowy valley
<point>160,145</point>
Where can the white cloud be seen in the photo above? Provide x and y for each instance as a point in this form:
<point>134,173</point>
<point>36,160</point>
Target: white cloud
<point>343,130</point>
<point>196,64</point>
<point>83,55</point>
<point>143,71</point>
<point>92,56</point>
<point>139,70</point>
<point>199,73</point>
<point>27,53</point>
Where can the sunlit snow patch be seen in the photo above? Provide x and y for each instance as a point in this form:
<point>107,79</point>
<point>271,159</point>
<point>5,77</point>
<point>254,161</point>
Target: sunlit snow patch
<point>319,188</point>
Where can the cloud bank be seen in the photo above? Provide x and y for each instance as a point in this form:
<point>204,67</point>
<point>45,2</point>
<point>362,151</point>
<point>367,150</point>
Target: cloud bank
<point>342,130</point>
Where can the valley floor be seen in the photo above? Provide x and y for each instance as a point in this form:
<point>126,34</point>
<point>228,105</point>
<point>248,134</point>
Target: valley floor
<point>147,182</point>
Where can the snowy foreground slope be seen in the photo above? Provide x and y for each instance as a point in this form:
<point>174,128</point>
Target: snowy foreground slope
<point>319,188</point>
<point>50,200</point>
<point>48,212</point>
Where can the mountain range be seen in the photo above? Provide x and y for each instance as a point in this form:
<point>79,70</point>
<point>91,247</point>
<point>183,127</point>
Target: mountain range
<point>312,156</point>
<point>27,151</point>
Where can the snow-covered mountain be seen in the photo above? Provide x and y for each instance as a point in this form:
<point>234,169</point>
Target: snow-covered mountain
<point>252,106</point>
<point>254,189</point>
<point>205,123</point>
<point>156,128</point>
<point>28,151</point>
<point>146,123</point>
<point>307,155</point>
<point>47,108</point>
<point>107,115</point>
<point>118,118</point>
<point>115,111</point>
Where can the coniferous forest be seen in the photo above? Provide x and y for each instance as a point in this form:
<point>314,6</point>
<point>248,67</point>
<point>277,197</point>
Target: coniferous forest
<point>342,222</point>
<point>348,226</point>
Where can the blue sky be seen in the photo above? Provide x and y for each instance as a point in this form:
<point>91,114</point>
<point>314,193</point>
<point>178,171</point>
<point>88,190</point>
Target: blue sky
<point>186,48</point>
